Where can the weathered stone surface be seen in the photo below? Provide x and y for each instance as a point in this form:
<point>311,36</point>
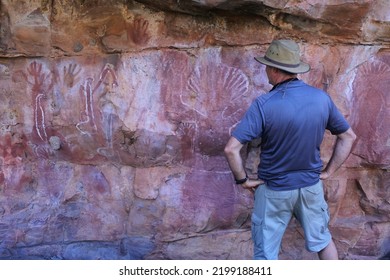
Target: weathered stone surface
<point>114,116</point>
<point>371,119</point>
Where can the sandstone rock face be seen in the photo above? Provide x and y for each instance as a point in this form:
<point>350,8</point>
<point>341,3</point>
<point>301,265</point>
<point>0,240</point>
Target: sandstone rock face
<point>114,116</point>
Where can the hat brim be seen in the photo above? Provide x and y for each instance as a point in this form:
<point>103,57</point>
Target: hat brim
<point>301,68</point>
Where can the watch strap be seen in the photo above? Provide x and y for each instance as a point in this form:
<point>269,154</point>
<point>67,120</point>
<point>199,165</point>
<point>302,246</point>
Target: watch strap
<point>242,181</point>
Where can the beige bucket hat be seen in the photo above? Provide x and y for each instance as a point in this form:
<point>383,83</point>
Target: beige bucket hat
<point>284,54</point>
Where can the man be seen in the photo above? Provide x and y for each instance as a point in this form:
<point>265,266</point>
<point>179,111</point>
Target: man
<point>290,120</point>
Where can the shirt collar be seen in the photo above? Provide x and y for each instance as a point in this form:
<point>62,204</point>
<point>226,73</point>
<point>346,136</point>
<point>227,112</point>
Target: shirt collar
<point>285,81</point>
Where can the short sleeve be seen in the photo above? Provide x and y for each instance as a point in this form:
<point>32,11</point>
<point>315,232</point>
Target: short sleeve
<point>337,124</point>
<point>251,125</point>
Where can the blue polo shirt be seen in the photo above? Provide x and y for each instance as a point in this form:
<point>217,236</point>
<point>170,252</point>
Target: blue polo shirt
<point>290,120</point>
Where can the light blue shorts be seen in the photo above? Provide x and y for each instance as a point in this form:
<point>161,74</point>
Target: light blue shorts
<point>273,211</point>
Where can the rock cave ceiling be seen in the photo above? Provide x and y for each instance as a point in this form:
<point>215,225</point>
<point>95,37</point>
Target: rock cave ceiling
<point>356,22</point>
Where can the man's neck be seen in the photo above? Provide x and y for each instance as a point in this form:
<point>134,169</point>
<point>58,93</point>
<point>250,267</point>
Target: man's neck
<point>282,77</point>
<point>286,80</point>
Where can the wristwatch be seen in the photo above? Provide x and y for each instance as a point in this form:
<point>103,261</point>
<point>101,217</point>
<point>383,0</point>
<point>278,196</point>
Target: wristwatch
<point>242,181</point>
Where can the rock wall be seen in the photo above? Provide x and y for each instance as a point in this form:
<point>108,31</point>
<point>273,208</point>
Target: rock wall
<point>114,116</point>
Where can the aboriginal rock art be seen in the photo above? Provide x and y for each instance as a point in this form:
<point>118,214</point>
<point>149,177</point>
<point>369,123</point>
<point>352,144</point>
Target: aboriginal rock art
<point>69,78</point>
<point>11,154</point>
<point>175,66</point>
<point>107,108</point>
<point>15,180</point>
<point>370,119</point>
<point>186,133</point>
<point>214,92</point>
<point>98,98</point>
<point>138,31</point>
<point>215,89</point>
<point>87,123</point>
<point>135,34</point>
<point>40,83</point>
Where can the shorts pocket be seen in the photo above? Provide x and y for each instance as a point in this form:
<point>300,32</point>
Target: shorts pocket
<point>326,215</point>
<point>315,189</point>
<point>313,195</point>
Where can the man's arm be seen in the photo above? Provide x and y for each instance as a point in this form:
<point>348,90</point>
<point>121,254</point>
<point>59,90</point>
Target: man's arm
<point>341,152</point>
<point>233,156</point>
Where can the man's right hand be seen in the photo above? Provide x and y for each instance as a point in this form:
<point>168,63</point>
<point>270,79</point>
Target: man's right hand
<point>252,184</point>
